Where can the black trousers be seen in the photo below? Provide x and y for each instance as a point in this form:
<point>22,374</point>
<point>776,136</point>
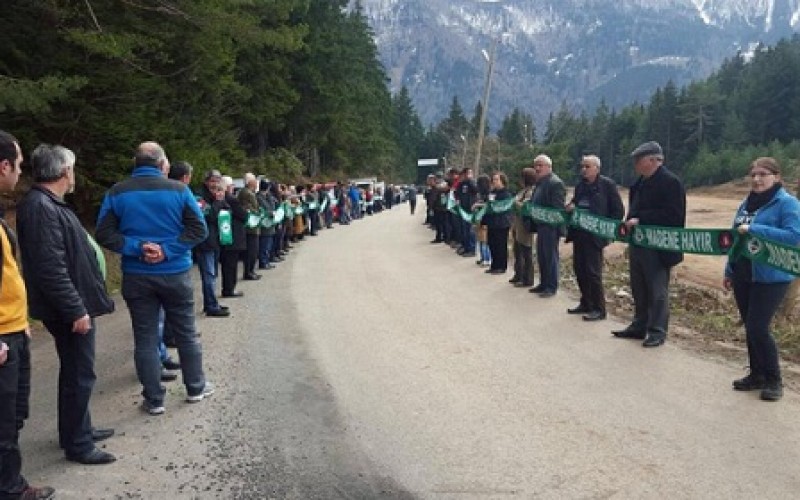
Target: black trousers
<point>547,256</point>
<point>523,263</point>
<point>498,245</point>
<point>76,379</point>
<point>229,261</point>
<point>650,287</point>
<point>439,224</point>
<point>455,227</point>
<point>250,255</point>
<point>412,204</point>
<point>587,262</point>
<point>15,389</point>
<point>758,303</point>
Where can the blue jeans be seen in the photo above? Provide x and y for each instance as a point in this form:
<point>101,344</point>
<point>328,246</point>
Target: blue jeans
<point>467,236</point>
<point>265,244</point>
<point>145,294</point>
<point>486,255</point>
<point>208,264</point>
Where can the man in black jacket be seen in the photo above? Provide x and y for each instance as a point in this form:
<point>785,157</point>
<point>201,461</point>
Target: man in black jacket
<point>66,291</point>
<point>229,254</point>
<point>550,192</point>
<point>207,253</point>
<point>657,198</point>
<point>599,195</point>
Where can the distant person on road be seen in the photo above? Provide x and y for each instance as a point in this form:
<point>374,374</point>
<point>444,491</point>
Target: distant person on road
<point>66,291</point>
<point>522,234</point>
<point>769,211</point>
<point>15,355</point>
<point>550,193</point>
<point>411,192</point>
<point>154,223</point>
<point>599,195</point>
<point>657,198</point>
<point>498,225</point>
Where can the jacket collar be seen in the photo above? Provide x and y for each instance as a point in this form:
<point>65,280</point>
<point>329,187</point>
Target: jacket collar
<point>49,194</point>
<point>147,171</point>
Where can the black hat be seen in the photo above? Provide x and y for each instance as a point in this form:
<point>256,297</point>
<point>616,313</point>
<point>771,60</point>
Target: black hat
<point>212,173</point>
<point>651,148</point>
<point>263,185</point>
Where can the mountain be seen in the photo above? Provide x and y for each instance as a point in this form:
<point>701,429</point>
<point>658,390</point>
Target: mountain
<point>578,52</point>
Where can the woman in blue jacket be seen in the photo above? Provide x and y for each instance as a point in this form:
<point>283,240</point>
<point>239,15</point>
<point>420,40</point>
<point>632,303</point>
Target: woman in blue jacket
<point>769,212</point>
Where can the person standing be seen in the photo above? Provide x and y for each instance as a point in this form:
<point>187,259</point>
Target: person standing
<point>15,356</point>
<point>522,234</point>
<point>769,211</point>
<point>207,253</point>
<point>247,198</point>
<point>266,237</point>
<point>154,223</point>
<point>599,195</point>
<point>229,253</point>
<point>657,198</point>
<point>499,225</point>
<point>550,193</point>
<point>412,198</point>
<point>66,291</point>
<point>467,197</point>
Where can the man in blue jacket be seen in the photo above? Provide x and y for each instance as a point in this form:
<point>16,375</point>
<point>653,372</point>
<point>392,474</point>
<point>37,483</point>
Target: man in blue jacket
<point>154,222</point>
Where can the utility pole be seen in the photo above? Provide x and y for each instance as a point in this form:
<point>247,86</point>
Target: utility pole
<point>485,107</point>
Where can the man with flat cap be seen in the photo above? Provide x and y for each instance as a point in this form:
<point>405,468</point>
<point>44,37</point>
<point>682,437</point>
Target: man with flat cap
<point>657,198</point>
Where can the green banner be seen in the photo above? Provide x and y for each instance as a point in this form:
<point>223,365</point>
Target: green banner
<point>279,214</point>
<point>500,206</point>
<point>678,239</point>
<point>324,204</point>
<point>313,205</point>
<point>545,215</point>
<point>225,227</point>
<point>253,220</point>
<point>779,255</point>
<point>609,229</point>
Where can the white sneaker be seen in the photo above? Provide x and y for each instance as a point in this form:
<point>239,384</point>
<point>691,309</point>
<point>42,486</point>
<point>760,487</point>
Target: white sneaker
<point>208,390</point>
<point>153,410</point>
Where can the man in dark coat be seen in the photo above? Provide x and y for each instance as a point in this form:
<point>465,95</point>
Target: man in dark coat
<point>599,195</point>
<point>207,253</point>
<point>550,192</point>
<point>249,202</point>
<point>657,198</point>
<point>66,291</point>
<point>229,254</point>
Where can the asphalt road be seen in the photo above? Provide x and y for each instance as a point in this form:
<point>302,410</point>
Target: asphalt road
<point>372,364</point>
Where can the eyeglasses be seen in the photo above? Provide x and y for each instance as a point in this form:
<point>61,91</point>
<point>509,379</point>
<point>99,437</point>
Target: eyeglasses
<point>756,175</point>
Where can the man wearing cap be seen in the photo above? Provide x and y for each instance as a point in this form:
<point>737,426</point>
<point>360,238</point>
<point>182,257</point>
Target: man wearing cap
<point>211,200</point>
<point>657,198</point>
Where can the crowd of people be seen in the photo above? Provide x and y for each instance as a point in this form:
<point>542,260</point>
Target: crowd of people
<point>54,271</point>
<point>462,210</point>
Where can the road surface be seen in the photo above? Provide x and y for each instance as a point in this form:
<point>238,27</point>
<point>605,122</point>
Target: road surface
<point>372,364</point>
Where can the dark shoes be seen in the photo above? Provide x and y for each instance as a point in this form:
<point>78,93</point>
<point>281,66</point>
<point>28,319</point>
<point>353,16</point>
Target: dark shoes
<point>594,316</point>
<point>168,376</point>
<point>514,280</point>
<point>41,493</point>
<point>654,340</point>
<point>629,333</point>
<point>171,364</point>
<point>579,309</point>
<point>94,457</point>
<point>233,295</point>
<point>772,391</point>
<point>521,284</point>
<point>752,382</point>
<point>251,277</point>
<point>101,434</point>
<point>437,241</point>
<point>495,271</point>
<point>537,289</point>
<point>546,294</point>
<point>218,313</point>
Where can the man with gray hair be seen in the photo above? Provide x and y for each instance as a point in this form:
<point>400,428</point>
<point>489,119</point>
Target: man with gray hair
<point>550,193</point>
<point>248,200</point>
<point>596,194</point>
<point>154,222</point>
<point>657,198</point>
<point>66,291</point>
